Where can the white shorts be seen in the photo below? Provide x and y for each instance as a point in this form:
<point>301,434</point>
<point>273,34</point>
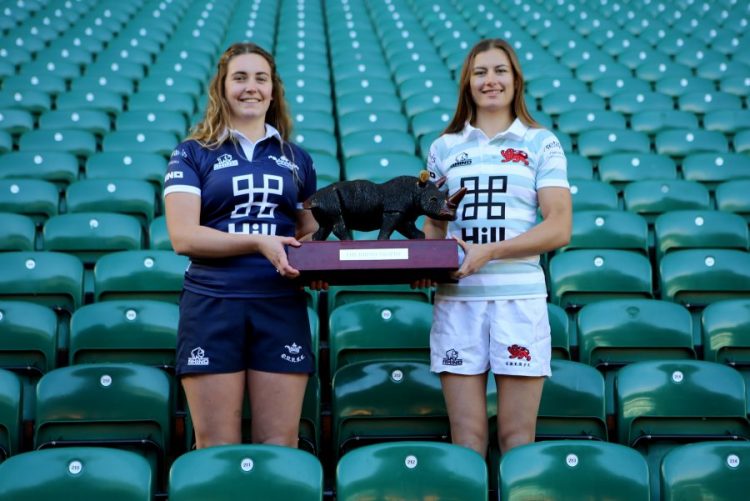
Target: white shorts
<point>512,337</point>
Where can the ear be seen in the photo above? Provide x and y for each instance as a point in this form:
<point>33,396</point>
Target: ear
<point>424,176</point>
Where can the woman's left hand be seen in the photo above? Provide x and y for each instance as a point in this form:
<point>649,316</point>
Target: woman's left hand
<point>475,256</point>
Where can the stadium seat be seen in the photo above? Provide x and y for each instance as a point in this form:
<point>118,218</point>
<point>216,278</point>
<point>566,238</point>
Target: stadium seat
<point>713,168</point>
<point>653,122</point>
<point>628,102</point>
<point>727,121</point>
<point>32,101</point>
<point>678,230</point>
<point>715,470</point>
<point>158,237</point>
<point>113,85</point>
<point>58,167</point>
<point>357,84</point>
<point>379,329</point>
<point>562,101</point>
<point>94,99</point>
<point>662,404</point>
<point>560,331</point>
<point>77,473</point>
<point>34,198</point>
<point>314,120</point>
<point>15,121</point>
<point>677,86</point>
<point>653,197</point>
<point>608,229</point>
<point>156,120</point>
<point>339,295</point>
<point>145,274</point>
<point>10,414</point>
<point>50,278</point>
<point>127,165</point>
<point>579,277</point>
<point>381,401</point>
<point>17,232</point>
<point>593,195</point>
<point>412,470</point>
<point>133,197</point>
<point>89,235</point>
<point>621,168</point>
<point>426,101</point>
<point>361,121</point>
<point>681,143</point>
<point>704,102</point>
<point>607,87</point>
<point>570,470</point>
<point>698,277</point>
<point>113,405</point>
<point>731,196</point>
<point>167,81</point>
<point>726,333</point>
<point>600,142</point>
<point>327,168</point>
<point>576,122</point>
<point>579,167</point>
<point>232,471</point>
<point>376,141</point>
<point>124,331</point>
<point>90,121</point>
<point>383,166</point>
<point>371,101</point>
<point>316,141</point>
<point>159,141</point>
<point>541,87</point>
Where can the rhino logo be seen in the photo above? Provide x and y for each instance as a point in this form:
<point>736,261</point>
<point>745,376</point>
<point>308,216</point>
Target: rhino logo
<point>451,358</point>
<point>519,352</point>
<point>511,155</point>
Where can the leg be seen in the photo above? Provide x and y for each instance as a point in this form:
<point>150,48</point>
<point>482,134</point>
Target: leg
<point>276,403</point>
<point>466,401</point>
<point>518,400</point>
<point>215,402</point>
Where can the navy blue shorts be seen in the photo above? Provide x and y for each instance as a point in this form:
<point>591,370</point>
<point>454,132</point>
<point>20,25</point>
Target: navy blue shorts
<point>219,335</point>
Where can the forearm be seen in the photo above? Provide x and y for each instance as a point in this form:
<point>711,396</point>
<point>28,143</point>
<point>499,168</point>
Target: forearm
<point>204,242</point>
<point>548,235</point>
<point>434,229</point>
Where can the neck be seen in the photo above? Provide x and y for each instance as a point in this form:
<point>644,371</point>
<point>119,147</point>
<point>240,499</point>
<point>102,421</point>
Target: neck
<point>254,131</point>
<point>492,123</point>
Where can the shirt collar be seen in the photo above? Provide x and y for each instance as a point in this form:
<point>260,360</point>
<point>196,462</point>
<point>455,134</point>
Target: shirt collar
<point>270,132</point>
<point>517,130</point>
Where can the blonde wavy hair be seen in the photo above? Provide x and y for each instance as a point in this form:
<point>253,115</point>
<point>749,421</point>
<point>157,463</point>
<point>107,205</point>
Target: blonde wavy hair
<point>466,109</point>
<point>211,131</point>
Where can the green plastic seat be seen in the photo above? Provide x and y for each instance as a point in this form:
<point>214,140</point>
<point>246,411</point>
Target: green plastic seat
<point>579,277</point>
<point>307,100</point>
<point>10,414</point>
<point>162,101</point>
<point>315,140</point>
<point>379,329</point>
<point>633,102</point>
<point>559,331</point>
<point>381,167</point>
<point>80,143</point>
<point>382,401</point>
<point>127,196</point>
<point>562,101</point>
<point>167,82</point>
<point>607,87</point>
<point>31,197</point>
<point>370,101</point>
<point>608,229</point>
<point>17,232</point>
<point>653,197</point>
<point>91,121</point>
<point>58,167</point>
<point>579,121</point>
<point>681,143</point>
<point>144,274</point>
<point>411,471</point>
<point>48,83</point>
<point>360,121</point>
<point>579,167</point>
<point>92,99</point>
<point>413,86</point>
<point>232,471</point>
<point>711,169</point>
<point>727,121</point>
<point>678,230</point>
<point>116,84</point>
<point>77,473</point>
<point>113,405</point>
<point>726,333</point>
<point>600,142</point>
<point>30,100</point>
<point>49,278</point>
<point>357,84</point>
<point>541,87</point>
<point>127,165</point>
<point>147,121</point>
<point>161,142</point>
<point>738,85</point>
<point>314,120</point>
<point>16,121</point>
<point>570,470</point>
<point>663,404</point>
<point>618,169</point>
<point>109,64</point>
<point>742,141</point>
<point>125,331</point>
<point>653,71</point>
<point>377,141</point>
<point>432,121</point>
<point>89,235</point>
<point>327,168</point>
<point>731,196</point>
<point>158,237</point>
<point>593,195</point>
<point>718,468</point>
<point>426,101</point>
<point>698,277</point>
<point>703,102</point>
<point>591,71</point>
<point>653,122</point>
<point>678,86</point>
<point>339,295</point>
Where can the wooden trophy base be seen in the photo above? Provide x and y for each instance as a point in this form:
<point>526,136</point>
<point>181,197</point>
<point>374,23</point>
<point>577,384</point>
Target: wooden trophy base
<point>366,262</point>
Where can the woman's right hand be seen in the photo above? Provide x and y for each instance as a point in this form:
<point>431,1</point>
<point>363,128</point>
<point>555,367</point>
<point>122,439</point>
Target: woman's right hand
<point>274,249</point>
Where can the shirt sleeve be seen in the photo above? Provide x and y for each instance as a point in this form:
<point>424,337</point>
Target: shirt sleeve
<point>552,169</point>
<point>182,172</point>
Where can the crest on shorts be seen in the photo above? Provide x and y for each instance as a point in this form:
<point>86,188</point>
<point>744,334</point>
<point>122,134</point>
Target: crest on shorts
<point>451,358</point>
<point>293,354</point>
<point>519,352</point>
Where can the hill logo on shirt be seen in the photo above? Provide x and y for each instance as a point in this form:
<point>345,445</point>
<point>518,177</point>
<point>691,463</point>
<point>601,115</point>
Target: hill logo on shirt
<point>197,357</point>
<point>511,155</point>
<point>225,161</point>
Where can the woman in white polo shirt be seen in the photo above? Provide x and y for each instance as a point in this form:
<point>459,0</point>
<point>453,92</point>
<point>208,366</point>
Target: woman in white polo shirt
<point>495,317</point>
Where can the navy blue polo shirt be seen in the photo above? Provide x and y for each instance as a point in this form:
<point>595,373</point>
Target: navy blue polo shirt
<point>245,187</point>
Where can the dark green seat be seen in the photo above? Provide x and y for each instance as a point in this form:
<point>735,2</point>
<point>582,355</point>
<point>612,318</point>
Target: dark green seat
<point>579,277</point>
<point>155,120</point>
<point>17,232</point>
<point>383,166</point>
<point>412,471</point>
<point>370,101</point>
<point>134,331</point>
<point>127,165</point>
<point>681,143</point>
<point>10,414</point>
<point>158,237</point>
<point>578,121</point>
<point>16,121</point>
<point>339,295</point>
<point>608,229</point>
<point>144,274</point>
<point>379,329</point>
<point>593,195</point>
<point>92,121</point>
<point>34,198</point>
<point>235,471</point>
<point>375,142</point>
<point>162,101</point>
<point>711,169</point>
<point>50,278</point>
<point>653,197</point>
<point>91,99</point>
<point>727,121</point>
<point>654,121</point>
<point>122,405</point>
<point>425,101</point>
<point>629,102</point>
<point>372,120</point>
<point>726,333</point>
<point>677,230</point>
<point>89,235</point>
<point>314,120</point>
<point>597,143</point>
<point>76,473</point>
<point>315,140</point>
<point>662,404</point>
<point>698,277</point>
<point>133,197</point>
<point>619,169</point>
<point>57,167</point>
<point>708,470</point>
<point>431,121</point>
<point>382,401</point>
<point>731,196</point>
<point>160,141</point>
<point>113,85</point>
<point>571,470</point>
<point>562,101</point>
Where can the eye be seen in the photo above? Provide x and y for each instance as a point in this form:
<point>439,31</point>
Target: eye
<point>433,199</point>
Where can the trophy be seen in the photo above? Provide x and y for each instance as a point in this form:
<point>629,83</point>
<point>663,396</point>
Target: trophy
<point>366,206</point>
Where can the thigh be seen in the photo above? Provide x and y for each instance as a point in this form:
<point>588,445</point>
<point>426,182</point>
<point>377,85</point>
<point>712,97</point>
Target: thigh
<point>215,403</point>
<point>466,402</point>
<point>518,400</point>
<point>276,405</point>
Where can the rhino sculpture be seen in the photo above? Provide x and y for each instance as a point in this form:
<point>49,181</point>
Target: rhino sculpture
<point>391,206</point>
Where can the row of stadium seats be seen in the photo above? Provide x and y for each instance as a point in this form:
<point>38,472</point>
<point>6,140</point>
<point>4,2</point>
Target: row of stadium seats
<point>411,470</point>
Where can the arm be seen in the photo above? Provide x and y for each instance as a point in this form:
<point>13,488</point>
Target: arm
<point>553,232</point>
<point>435,229</point>
<point>192,239</point>
<point>306,225</point>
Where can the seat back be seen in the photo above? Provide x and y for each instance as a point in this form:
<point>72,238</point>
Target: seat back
<point>412,470</point>
<point>76,473</point>
<point>148,274</point>
<point>726,333</point>
<point>571,470</point>
<point>49,278</point>
<point>10,414</point>
<point>235,471</point>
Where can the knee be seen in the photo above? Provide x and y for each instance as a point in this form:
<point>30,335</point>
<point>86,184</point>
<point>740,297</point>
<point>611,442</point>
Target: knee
<point>203,440</point>
<point>471,435</point>
<point>285,440</point>
<point>511,438</point>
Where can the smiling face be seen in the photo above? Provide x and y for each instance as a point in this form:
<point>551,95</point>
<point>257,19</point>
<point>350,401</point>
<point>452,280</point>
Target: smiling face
<point>491,82</point>
<point>248,87</point>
